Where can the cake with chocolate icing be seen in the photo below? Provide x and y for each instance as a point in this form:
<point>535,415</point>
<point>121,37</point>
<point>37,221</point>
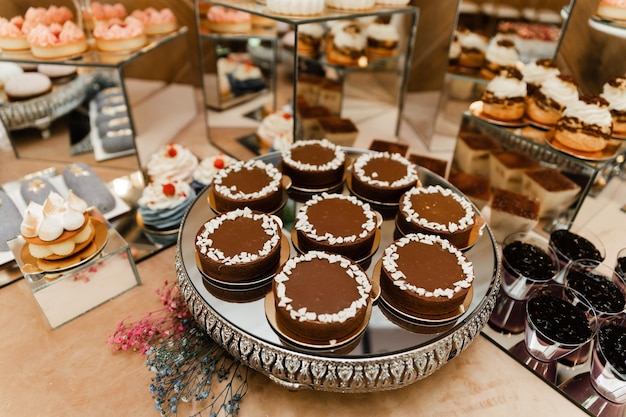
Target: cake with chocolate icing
<point>436,210</point>
<point>254,184</point>
<point>321,298</point>
<point>382,177</point>
<point>314,164</point>
<point>255,254</point>
<point>425,276</point>
<point>336,223</point>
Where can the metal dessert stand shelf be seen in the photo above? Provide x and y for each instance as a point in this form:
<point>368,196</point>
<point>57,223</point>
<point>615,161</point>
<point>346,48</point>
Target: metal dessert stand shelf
<point>391,353</point>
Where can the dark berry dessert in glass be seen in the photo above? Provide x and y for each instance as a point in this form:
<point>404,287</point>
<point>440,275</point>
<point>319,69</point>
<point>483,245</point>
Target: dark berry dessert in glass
<point>571,242</point>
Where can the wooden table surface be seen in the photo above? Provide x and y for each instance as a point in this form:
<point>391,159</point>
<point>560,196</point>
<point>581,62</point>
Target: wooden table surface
<point>71,371</point>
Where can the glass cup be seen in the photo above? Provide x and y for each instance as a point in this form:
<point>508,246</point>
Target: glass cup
<point>620,264</point>
<point>602,390</point>
<point>558,322</point>
<point>602,287</point>
<point>528,262</point>
<point>571,242</point>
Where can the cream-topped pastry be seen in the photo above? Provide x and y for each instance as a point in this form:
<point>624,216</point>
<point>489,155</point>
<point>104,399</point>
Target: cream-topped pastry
<point>172,161</point>
<point>296,8</point>
<point>276,126</point>
<point>309,39</point>
<point>382,40</point>
<point>57,228</point>
<point>499,55</point>
<point>348,45</point>
<point>13,34</point>
<point>473,48</point>
<point>614,91</point>
<point>505,95</point>
<point>106,11</point>
<point>586,124</point>
<point>56,40</point>
<point>156,22</point>
<point>536,72</point>
<point>116,35</point>
<point>554,95</point>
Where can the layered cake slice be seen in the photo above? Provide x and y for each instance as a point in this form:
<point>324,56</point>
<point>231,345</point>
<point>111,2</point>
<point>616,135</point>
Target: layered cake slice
<point>512,212</point>
<point>321,298</point>
<point>336,223</point>
<point>382,177</point>
<point>254,184</point>
<point>338,130</point>
<point>438,211</point>
<point>225,257</point>
<point>435,165</point>
<point>314,164</point>
<point>506,169</point>
<point>424,276</point>
<point>472,151</point>
<point>553,189</point>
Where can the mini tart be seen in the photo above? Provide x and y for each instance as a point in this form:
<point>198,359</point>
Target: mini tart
<point>382,177</point>
<point>438,211</point>
<point>224,254</point>
<point>314,164</point>
<point>425,276</point>
<point>66,245</point>
<point>121,45</point>
<point>253,183</point>
<point>336,223</point>
<point>321,297</point>
<point>67,234</point>
<point>59,51</point>
<point>14,44</point>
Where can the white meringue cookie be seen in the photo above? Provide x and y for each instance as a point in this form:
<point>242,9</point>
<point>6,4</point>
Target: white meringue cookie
<point>73,220</point>
<point>50,228</point>
<point>53,204</point>
<point>76,203</point>
<point>32,218</point>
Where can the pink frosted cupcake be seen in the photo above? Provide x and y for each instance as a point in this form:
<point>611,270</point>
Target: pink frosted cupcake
<point>157,22</point>
<point>12,36</point>
<point>56,41</point>
<point>103,11</point>
<point>351,4</point>
<point>296,7</point>
<point>118,35</point>
<point>53,14</point>
<point>226,20</point>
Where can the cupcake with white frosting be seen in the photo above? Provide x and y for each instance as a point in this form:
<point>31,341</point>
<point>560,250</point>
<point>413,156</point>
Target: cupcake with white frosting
<point>536,72</point>
<point>207,168</point>
<point>163,203</point>
<point>172,161</point>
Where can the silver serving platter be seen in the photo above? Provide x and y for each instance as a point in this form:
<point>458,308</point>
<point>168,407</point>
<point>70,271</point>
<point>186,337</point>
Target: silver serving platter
<point>391,354</point>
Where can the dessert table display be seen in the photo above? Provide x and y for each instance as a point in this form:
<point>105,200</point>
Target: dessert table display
<point>393,352</point>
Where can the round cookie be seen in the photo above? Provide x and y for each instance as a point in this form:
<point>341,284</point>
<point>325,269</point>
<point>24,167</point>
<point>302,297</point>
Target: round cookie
<point>27,85</point>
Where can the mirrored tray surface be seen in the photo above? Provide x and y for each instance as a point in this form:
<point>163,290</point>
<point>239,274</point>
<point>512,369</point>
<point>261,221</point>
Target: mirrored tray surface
<point>388,355</point>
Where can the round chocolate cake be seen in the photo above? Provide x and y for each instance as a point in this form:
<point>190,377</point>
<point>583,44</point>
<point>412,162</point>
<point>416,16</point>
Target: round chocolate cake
<point>438,211</point>
<point>225,255</point>
<point>424,276</point>
<point>336,223</point>
<point>321,298</point>
<point>382,177</point>
<point>252,184</point>
<point>314,164</point>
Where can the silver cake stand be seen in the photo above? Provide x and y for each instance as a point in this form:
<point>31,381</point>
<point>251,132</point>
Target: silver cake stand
<point>390,353</point>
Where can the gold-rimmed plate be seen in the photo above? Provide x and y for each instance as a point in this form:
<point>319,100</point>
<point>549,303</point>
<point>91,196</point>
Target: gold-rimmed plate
<point>100,239</point>
<point>606,154</point>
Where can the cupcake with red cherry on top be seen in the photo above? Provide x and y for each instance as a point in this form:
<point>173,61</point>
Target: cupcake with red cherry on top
<point>276,131</point>
<point>172,161</point>
<point>207,168</point>
<point>163,204</point>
